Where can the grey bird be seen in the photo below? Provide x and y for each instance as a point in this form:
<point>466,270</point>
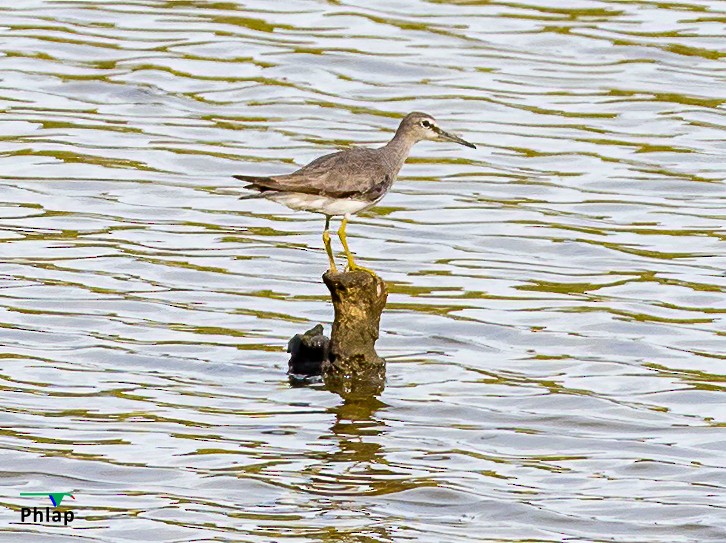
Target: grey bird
<point>350,181</point>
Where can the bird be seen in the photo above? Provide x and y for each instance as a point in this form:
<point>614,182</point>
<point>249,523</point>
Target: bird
<point>349,181</point>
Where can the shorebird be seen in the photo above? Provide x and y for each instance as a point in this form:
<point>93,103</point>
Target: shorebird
<point>350,181</point>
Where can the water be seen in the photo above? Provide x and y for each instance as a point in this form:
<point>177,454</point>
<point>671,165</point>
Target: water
<point>555,329</point>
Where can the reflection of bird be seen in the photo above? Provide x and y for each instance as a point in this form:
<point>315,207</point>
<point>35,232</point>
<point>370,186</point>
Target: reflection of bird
<point>349,181</point>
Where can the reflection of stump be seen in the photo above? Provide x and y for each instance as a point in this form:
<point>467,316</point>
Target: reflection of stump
<point>353,366</point>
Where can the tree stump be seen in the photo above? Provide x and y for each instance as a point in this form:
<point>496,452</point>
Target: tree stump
<point>353,368</point>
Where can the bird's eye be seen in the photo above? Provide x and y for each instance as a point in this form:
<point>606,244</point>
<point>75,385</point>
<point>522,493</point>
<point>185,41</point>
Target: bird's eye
<point>426,124</point>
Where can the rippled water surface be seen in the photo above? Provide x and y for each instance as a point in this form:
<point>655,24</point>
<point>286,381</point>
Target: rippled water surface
<point>555,328</point>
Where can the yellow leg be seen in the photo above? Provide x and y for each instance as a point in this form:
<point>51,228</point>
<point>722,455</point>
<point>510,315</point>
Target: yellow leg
<point>352,266</point>
<point>326,242</point>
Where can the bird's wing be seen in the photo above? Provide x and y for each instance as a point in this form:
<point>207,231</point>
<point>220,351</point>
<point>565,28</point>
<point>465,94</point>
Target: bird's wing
<point>354,172</point>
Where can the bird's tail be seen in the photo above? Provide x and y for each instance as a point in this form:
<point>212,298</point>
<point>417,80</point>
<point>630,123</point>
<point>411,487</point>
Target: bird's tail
<point>260,184</point>
<point>253,179</point>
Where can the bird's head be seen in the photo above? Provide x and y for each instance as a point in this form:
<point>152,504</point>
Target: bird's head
<point>422,126</point>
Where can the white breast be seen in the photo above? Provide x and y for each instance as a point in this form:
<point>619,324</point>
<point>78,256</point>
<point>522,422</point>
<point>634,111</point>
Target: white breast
<point>320,204</point>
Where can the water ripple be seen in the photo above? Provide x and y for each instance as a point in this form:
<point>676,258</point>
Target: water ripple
<point>555,324</point>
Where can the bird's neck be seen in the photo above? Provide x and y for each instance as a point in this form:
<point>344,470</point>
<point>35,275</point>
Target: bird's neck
<point>398,149</point>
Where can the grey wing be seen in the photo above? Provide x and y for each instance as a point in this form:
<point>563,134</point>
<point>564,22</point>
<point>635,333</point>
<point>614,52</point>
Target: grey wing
<point>357,172</point>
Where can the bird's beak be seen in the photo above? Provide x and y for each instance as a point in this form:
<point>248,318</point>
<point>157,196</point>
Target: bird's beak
<point>444,135</point>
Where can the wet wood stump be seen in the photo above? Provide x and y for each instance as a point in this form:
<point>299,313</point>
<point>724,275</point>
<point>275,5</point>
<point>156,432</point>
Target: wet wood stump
<point>353,367</point>
<point>348,361</point>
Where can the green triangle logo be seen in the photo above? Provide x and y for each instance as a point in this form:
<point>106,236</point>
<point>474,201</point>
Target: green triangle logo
<point>55,497</point>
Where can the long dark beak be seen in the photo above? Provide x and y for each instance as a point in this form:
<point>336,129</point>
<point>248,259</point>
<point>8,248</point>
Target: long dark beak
<point>443,134</point>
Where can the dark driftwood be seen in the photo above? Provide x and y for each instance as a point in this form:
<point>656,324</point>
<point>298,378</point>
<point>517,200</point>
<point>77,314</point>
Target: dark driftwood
<point>307,351</point>
<point>353,367</point>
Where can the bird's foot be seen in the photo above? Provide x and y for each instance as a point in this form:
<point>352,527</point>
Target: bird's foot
<point>352,266</point>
